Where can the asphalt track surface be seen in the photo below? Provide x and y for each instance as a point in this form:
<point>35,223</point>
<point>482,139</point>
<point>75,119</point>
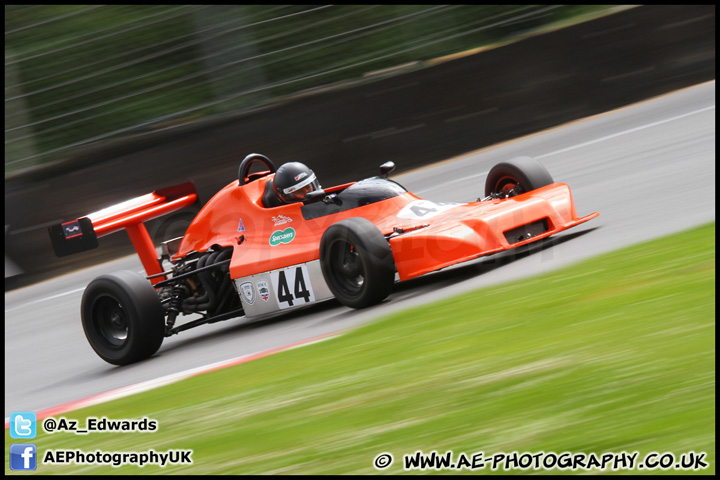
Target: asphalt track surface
<point>649,169</point>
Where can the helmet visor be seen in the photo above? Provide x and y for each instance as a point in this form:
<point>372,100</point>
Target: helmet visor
<point>301,184</point>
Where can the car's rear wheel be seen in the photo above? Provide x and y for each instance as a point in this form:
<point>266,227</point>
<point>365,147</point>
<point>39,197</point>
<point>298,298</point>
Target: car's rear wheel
<point>517,175</point>
<point>122,317</point>
<point>357,262</point>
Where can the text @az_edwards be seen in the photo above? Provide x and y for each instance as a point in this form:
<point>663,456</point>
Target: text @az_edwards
<point>94,424</point>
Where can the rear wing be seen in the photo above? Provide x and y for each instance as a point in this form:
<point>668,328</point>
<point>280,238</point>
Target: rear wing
<point>81,234</point>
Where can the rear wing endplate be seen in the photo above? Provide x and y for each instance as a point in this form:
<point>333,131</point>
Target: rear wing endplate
<point>81,234</point>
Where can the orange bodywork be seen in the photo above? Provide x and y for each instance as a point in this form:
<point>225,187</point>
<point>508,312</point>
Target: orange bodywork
<point>424,236</point>
<point>132,214</point>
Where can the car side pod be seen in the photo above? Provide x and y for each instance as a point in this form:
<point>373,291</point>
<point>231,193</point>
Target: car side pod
<point>81,234</point>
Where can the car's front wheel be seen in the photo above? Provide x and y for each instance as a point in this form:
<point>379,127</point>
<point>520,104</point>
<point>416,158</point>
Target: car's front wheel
<point>357,262</point>
<point>122,317</point>
<point>517,175</point>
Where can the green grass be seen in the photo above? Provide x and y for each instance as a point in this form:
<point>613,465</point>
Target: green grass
<point>613,354</point>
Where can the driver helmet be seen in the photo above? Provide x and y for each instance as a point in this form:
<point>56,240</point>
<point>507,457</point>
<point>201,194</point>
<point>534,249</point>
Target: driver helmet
<point>293,181</point>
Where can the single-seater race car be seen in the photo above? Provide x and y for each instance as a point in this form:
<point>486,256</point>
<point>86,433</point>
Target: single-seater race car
<point>241,256</point>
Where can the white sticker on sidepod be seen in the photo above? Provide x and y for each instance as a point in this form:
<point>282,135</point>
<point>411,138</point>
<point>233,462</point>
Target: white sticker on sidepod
<point>247,292</point>
<point>292,286</point>
<point>264,289</point>
<point>423,209</point>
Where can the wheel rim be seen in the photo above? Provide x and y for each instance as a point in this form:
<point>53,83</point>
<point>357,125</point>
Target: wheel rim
<point>506,185</point>
<point>346,266</point>
<point>111,321</point>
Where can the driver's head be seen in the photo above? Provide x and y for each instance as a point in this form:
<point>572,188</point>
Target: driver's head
<point>293,181</point>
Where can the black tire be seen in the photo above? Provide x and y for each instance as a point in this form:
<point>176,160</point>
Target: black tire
<point>357,262</point>
<point>526,172</point>
<point>122,317</point>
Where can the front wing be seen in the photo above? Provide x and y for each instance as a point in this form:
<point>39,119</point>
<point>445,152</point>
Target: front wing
<point>482,228</point>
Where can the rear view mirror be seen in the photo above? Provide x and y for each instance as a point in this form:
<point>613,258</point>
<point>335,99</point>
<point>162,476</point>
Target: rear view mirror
<point>386,168</point>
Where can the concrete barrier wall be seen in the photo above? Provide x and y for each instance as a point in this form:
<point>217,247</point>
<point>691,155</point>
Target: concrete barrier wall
<point>413,119</point>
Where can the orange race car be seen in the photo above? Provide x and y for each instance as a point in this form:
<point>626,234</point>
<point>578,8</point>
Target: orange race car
<point>273,240</point>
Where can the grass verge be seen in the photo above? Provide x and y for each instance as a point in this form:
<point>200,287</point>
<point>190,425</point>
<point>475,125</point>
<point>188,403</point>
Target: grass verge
<point>615,354</point>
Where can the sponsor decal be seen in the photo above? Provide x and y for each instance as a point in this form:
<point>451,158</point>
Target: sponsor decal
<point>301,176</point>
<point>282,236</point>
<point>264,289</point>
<point>72,229</point>
<point>281,220</point>
<point>247,292</point>
<point>241,227</point>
